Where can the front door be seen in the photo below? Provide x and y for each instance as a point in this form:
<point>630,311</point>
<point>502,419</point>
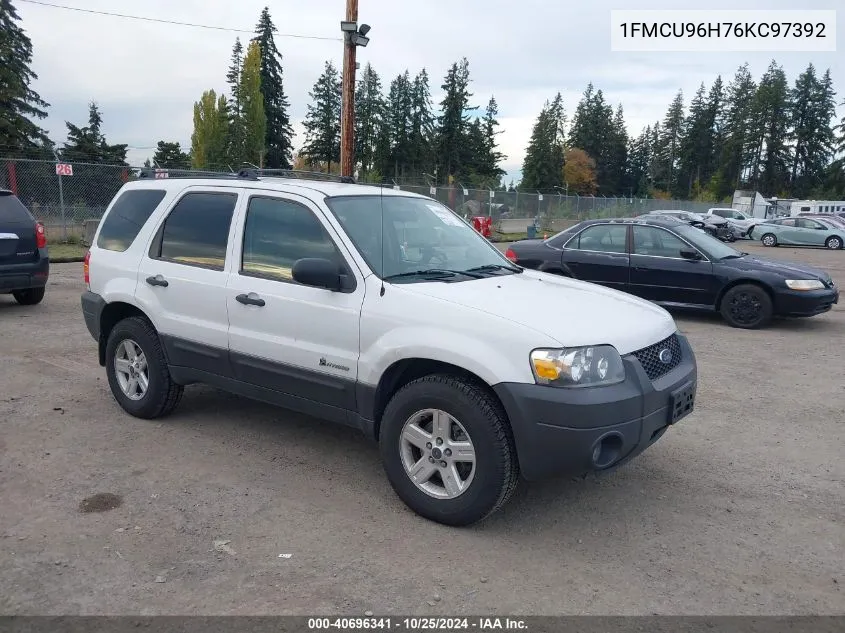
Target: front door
<point>660,274</point>
<point>599,254</point>
<point>812,232</point>
<point>294,339</point>
<point>182,275</point>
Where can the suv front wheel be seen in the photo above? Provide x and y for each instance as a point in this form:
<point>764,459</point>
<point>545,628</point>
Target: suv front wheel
<point>137,370</point>
<point>448,450</point>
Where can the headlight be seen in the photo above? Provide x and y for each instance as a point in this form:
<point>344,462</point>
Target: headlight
<point>804,284</point>
<point>578,366</point>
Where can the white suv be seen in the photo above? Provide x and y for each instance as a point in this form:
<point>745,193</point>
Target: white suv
<point>385,311</point>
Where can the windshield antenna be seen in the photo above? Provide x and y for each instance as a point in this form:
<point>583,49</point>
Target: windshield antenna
<point>381,204</point>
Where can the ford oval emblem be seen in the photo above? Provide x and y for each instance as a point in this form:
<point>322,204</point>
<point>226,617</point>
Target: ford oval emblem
<point>665,356</point>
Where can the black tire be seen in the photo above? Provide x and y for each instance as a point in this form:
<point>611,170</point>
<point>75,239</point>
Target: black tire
<point>769,239</point>
<point>496,468</point>
<point>30,296</point>
<point>833,243</point>
<point>162,394</point>
<point>747,306</point>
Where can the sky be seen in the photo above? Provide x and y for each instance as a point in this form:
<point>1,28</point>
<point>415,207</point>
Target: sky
<point>146,76</point>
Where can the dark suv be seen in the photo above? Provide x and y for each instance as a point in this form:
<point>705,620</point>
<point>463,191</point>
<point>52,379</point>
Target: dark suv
<point>24,266</point>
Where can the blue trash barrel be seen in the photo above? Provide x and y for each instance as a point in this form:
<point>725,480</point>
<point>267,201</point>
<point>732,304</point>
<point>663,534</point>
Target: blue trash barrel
<point>532,231</point>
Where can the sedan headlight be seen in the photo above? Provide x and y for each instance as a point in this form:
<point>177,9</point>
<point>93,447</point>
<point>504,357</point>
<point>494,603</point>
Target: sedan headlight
<point>578,366</point>
<point>804,284</point>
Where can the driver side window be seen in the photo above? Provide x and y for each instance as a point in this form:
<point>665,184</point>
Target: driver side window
<point>656,242</point>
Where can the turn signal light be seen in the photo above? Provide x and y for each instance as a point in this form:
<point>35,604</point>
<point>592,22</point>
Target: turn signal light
<point>40,236</point>
<point>511,255</point>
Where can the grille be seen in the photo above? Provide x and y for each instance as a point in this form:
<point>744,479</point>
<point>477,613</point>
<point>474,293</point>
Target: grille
<point>649,357</point>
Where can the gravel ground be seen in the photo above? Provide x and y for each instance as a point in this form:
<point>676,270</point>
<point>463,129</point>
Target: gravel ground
<point>234,507</point>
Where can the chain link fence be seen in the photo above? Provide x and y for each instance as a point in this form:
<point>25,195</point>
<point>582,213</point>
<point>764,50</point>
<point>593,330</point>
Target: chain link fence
<point>65,203</point>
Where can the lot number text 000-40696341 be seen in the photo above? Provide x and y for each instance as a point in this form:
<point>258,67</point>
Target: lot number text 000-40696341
<point>723,30</point>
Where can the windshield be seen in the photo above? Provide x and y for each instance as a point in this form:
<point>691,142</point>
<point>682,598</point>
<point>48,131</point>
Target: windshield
<point>706,243</point>
<point>422,239</point>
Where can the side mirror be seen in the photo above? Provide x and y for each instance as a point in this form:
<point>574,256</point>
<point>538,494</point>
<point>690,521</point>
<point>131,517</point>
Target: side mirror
<point>688,253</point>
<point>319,273</point>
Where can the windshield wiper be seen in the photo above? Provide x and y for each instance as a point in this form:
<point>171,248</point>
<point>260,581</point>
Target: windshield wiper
<point>442,273</point>
<point>489,267</point>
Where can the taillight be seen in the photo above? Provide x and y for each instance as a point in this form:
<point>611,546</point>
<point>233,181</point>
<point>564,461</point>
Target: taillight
<point>511,255</point>
<point>86,268</point>
<point>40,236</point>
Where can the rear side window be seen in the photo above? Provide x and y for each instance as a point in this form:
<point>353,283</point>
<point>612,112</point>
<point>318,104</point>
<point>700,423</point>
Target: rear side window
<point>12,210</point>
<point>127,217</point>
<point>196,232</point>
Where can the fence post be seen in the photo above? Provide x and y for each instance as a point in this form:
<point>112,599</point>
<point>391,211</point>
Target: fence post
<point>61,198</point>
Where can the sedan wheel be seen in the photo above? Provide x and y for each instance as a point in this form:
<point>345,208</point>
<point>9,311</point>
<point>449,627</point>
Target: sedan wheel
<point>747,306</point>
<point>833,243</point>
<point>769,240</point>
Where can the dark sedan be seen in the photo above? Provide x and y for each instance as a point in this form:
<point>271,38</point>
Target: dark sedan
<point>669,262</point>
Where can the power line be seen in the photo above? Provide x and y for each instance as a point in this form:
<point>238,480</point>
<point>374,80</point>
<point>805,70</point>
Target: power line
<point>174,22</point>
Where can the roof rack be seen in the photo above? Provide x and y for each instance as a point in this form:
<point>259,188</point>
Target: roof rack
<point>297,173</point>
<point>247,173</point>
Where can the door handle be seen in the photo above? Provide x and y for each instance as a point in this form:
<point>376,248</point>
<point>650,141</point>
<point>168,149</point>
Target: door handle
<point>158,280</point>
<point>251,299</point>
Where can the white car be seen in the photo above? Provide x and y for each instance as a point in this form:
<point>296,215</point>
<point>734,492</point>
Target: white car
<point>740,220</point>
<point>384,311</point>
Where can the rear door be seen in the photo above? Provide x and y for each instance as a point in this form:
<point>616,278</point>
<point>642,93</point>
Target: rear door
<point>17,232</point>
<point>599,254</point>
<point>660,274</point>
<point>182,278</point>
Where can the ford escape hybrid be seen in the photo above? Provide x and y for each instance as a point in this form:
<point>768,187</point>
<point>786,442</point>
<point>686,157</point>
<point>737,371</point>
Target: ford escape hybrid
<point>384,311</point>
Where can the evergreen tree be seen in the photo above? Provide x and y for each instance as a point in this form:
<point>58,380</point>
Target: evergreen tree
<point>254,119</point>
<point>813,109</point>
<point>398,121</point>
<point>369,119</point>
<point>696,144</point>
<point>279,133</point>
<point>170,155</point>
<point>19,103</point>
<point>544,157</point>
<point>489,157</point>
<point>87,144</point>
<point>737,144</point>
<point>236,124</point>
<point>422,122</point>
<point>322,121</point>
<point>639,162</point>
<point>594,130</point>
<point>454,122</point>
<point>836,172</point>
<point>616,157</point>
<point>668,153</point>
<point>770,158</point>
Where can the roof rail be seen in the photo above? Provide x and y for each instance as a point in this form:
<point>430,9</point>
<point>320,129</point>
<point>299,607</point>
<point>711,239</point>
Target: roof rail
<point>166,173</point>
<point>297,173</point>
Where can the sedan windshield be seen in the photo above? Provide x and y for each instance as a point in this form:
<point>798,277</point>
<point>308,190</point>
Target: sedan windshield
<point>706,243</point>
<point>423,240</point>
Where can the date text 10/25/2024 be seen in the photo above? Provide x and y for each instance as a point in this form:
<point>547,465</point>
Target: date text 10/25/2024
<point>418,624</point>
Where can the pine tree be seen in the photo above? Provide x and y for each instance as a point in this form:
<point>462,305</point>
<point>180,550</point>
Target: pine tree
<point>369,119</point>
<point>398,122</point>
<point>279,133</point>
<point>737,144</point>
<point>594,130</point>
<point>236,124</point>
<point>87,144</point>
<point>170,155</point>
<point>322,122</point>
<point>489,156</point>
<point>813,109</point>
<point>667,153</point>
<point>19,103</point>
<point>770,157</point>
<point>422,125</point>
<point>544,161</point>
<point>695,144</point>
<point>253,117</point>
<point>639,161</point>
<point>616,157</point>
<point>454,122</point>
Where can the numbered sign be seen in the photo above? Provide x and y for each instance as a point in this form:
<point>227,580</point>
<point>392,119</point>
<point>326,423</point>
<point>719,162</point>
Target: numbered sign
<point>64,169</point>
<point>540,197</point>
<point>162,173</point>
<point>466,193</point>
<point>492,194</point>
<point>433,191</point>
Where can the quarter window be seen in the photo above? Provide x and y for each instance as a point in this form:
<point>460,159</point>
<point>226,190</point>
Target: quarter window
<point>279,232</point>
<point>603,238</point>
<point>649,240</point>
<point>196,232</point>
<point>127,217</point>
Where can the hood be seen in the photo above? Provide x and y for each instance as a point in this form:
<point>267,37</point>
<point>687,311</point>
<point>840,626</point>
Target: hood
<point>787,270</point>
<point>571,312</point>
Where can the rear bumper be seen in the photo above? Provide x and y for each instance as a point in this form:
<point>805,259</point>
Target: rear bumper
<point>805,303</point>
<point>578,431</point>
<point>23,276</point>
<point>92,310</point>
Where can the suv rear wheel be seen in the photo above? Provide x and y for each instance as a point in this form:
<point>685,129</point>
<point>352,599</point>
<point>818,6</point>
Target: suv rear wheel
<point>448,450</point>
<point>137,370</point>
<point>30,296</point>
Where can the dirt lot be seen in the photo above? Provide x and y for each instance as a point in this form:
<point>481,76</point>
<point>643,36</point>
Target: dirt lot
<point>738,510</point>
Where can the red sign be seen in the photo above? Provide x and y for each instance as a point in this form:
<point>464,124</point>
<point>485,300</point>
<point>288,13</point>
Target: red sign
<point>64,169</point>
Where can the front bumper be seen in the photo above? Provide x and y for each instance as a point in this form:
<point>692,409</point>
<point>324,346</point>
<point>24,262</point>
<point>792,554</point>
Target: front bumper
<point>578,431</point>
<point>806,303</point>
<point>24,276</point>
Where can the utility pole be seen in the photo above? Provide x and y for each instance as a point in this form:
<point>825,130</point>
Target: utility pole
<point>347,116</point>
